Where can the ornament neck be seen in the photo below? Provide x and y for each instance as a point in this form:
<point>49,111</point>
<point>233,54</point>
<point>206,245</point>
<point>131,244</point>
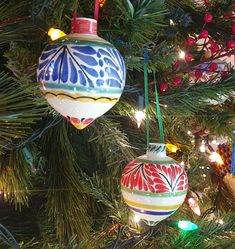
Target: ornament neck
<point>156,149</point>
<point>85,26</point>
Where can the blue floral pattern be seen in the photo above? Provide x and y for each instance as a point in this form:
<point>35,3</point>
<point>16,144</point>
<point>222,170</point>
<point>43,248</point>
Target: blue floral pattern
<point>82,65</point>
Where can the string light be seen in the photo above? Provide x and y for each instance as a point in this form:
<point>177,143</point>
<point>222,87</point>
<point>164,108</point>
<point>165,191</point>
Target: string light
<point>181,54</point>
<point>214,141</point>
<point>189,132</point>
<point>194,206</point>
<point>215,157</point>
<point>55,33</point>
<point>203,147</point>
<point>186,225</point>
<point>172,148</point>
<point>220,221</point>
<point>172,22</point>
<point>136,218</point>
<point>182,163</point>
<point>139,116</point>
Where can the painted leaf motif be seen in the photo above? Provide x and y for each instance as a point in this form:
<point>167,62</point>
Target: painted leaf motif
<point>154,178</point>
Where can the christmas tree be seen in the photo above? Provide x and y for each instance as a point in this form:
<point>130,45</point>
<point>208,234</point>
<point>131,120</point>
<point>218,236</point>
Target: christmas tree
<point>61,186</point>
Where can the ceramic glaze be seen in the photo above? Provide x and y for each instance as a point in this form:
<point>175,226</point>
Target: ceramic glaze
<point>82,76</point>
<point>154,185</point>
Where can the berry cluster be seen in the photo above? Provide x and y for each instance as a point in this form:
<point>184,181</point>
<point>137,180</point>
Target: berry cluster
<point>208,63</point>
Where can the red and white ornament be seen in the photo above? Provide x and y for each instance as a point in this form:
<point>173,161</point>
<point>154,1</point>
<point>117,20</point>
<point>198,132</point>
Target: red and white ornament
<point>154,185</point>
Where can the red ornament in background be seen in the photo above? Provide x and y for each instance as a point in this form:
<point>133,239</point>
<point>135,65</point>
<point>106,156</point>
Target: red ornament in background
<point>191,41</point>
<point>213,66</point>
<point>198,74</point>
<point>204,34</point>
<point>163,87</point>
<point>177,81</point>
<point>233,28</point>
<point>230,44</point>
<point>208,17</point>
<point>188,57</point>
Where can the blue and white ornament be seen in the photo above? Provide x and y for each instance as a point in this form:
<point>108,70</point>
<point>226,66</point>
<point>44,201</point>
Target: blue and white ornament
<point>81,74</point>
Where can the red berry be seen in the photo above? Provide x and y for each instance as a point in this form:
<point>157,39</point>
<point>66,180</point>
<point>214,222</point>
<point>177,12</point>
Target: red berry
<point>213,66</point>
<point>230,44</point>
<point>214,48</point>
<point>163,87</point>
<point>208,17</point>
<point>198,74</point>
<point>188,57</point>
<point>177,64</point>
<point>204,33</point>
<point>177,80</point>
<point>224,75</point>
<point>191,41</point>
<point>233,28</point>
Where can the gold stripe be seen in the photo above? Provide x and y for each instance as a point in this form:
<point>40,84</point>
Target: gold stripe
<point>152,207</point>
<point>80,97</point>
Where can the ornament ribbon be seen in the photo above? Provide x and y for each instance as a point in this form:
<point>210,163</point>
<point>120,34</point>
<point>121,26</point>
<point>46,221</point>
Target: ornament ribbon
<point>146,96</point>
<point>96,10</point>
<point>158,111</point>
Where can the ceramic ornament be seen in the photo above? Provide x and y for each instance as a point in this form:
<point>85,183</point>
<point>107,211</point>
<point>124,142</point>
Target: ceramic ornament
<point>82,76</point>
<point>154,185</point>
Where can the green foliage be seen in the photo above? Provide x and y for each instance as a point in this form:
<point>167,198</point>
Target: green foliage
<point>67,206</point>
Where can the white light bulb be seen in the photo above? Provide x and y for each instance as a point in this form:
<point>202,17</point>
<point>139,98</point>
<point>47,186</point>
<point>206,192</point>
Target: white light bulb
<point>202,147</point>
<point>215,157</point>
<point>189,132</point>
<point>181,54</point>
<point>139,116</point>
<point>214,141</point>
<point>220,221</point>
<point>182,163</point>
<point>136,218</point>
<point>191,201</point>
<point>172,22</point>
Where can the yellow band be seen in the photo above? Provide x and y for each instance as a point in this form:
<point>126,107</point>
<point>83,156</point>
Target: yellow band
<point>152,207</point>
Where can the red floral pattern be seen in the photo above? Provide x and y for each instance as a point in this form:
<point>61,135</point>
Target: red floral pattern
<point>154,178</point>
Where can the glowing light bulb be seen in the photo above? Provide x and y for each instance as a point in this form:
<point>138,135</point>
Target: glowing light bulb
<point>181,54</point>
<point>136,218</point>
<point>172,22</point>
<point>172,148</point>
<point>202,147</point>
<point>189,132</point>
<point>139,116</point>
<point>55,33</point>
<point>186,225</point>
<point>215,157</point>
<point>182,164</point>
<point>214,141</point>
<point>191,201</point>
<point>194,206</point>
<point>220,221</point>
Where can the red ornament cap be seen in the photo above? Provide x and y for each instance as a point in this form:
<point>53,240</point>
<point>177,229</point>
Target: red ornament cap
<point>163,87</point>
<point>204,34</point>
<point>230,44</point>
<point>85,26</point>
<point>213,66</point>
<point>208,17</point>
<point>177,81</point>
